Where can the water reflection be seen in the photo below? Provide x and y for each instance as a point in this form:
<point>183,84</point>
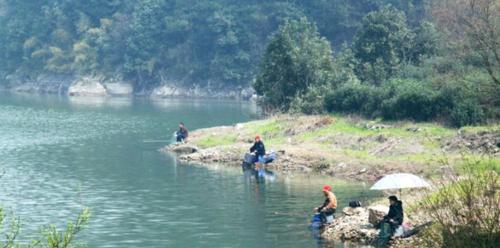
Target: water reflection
<point>100,101</point>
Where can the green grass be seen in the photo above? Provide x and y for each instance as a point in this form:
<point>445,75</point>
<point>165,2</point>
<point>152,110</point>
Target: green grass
<point>267,128</point>
<point>475,164</point>
<point>495,128</point>
<point>216,140</point>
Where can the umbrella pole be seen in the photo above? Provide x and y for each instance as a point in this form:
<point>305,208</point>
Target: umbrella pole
<point>400,198</point>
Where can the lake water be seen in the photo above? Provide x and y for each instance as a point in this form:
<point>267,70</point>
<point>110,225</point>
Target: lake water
<point>62,154</point>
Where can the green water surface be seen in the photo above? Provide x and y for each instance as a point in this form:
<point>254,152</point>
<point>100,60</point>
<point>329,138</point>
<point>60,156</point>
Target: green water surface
<point>62,154</point>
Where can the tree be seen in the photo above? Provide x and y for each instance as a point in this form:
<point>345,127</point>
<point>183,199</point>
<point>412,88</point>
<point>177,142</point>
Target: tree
<point>141,56</point>
<point>475,27</point>
<point>296,59</point>
<point>381,44</point>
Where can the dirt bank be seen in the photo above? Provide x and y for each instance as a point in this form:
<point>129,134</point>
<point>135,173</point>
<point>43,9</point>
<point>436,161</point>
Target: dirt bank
<point>342,147</point>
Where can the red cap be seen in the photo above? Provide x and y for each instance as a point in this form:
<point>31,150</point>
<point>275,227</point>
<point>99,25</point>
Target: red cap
<point>257,137</point>
<point>327,188</point>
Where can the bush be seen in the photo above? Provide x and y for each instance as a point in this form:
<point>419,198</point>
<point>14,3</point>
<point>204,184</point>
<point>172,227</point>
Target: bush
<point>465,212</point>
<point>353,98</point>
<point>467,113</point>
<point>408,99</point>
<point>311,102</point>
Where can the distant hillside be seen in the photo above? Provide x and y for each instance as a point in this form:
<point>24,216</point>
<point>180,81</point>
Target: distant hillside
<point>216,43</point>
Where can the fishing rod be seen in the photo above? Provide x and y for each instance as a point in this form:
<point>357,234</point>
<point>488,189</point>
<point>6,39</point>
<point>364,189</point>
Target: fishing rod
<point>156,141</point>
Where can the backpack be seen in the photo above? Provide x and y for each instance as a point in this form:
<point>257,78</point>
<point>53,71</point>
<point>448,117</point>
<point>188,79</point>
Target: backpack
<point>354,204</point>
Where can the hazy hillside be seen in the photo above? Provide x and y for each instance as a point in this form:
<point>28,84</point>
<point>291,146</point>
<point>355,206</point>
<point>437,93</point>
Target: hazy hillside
<point>216,42</point>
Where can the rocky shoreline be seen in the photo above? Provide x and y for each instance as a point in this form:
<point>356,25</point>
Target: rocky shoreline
<point>99,86</point>
<point>298,152</point>
<point>328,146</point>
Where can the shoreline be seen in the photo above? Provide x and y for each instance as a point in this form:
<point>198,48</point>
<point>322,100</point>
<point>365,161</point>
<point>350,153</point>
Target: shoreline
<point>99,86</point>
<point>348,148</point>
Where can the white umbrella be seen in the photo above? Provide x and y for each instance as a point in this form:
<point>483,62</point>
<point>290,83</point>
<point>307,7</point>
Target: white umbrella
<point>400,181</point>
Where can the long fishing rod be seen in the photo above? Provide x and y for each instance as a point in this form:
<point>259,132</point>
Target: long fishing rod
<point>156,141</point>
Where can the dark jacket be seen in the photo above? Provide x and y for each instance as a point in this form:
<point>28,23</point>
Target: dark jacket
<point>183,132</point>
<point>258,148</point>
<point>395,213</point>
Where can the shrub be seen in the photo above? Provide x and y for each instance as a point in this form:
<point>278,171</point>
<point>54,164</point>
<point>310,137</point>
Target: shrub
<point>467,112</point>
<point>465,212</point>
<point>311,102</point>
<point>350,97</point>
<point>409,99</point>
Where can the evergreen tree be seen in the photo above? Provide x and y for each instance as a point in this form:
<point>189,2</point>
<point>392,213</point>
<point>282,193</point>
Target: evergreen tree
<point>296,59</point>
<point>381,44</point>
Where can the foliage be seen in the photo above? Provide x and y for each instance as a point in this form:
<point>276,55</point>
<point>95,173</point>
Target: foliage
<point>467,113</point>
<point>407,99</point>
<point>51,237</point>
<point>466,210</point>
<point>209,42</point>
<point>296,59</point>
<point>311,102</point>
<point>381,44</point>
<point>354,98</point>
<point>445,51</point>
<point>473,26</point>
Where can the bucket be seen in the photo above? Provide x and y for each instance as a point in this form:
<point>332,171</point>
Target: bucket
<point>329,219</point>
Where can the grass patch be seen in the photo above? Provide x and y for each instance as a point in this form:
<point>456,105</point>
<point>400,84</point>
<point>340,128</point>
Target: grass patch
<point>216,140</point>
<point>267,128</point>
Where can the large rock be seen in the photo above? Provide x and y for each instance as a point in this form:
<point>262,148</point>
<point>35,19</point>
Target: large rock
<point>43,84</point>
<point>183,149</point>
<point>376,213</point>
<point>119,89</point>
<point>352,211</point>
<point>87,86</point>
<point>353,228</point>
<point>166,91</point>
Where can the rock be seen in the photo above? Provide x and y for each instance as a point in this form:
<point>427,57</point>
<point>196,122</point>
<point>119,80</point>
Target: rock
<point>414,129</point>
<point>381,138</point>
<point>119,89</point>
<point>44,84</point>
<point>183,149</point>
<point>239,126</point>
<point>87,86</point>
<point>352,211</point>
<point>353,228</point>
<point>173,90</point>
<point>342,165</point>
<point>376,213</point>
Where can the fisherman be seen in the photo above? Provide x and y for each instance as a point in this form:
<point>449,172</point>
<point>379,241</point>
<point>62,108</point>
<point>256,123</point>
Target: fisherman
<point>260,151</point>
<point>329,206</point>
<point>182,134</point>
<point>391,221</point>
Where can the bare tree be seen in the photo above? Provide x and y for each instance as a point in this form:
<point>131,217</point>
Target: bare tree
<point>473,25</point>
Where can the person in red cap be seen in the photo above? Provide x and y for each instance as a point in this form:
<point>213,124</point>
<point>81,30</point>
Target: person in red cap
<point>329,206</point>
<point>260,151</point>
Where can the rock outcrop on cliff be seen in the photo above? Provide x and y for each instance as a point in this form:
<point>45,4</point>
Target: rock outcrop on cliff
<point>87,86</point>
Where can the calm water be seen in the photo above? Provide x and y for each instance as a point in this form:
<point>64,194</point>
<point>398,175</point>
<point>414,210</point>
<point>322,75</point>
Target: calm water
<point>62,154</point>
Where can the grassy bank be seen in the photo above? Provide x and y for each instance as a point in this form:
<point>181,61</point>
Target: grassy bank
<point>349,146</point>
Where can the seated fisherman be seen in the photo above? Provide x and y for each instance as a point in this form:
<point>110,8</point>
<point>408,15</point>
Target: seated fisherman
<point>182,134</point>
<point>260,151</point>
<point>329,206</point>
<point>391,221</point>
